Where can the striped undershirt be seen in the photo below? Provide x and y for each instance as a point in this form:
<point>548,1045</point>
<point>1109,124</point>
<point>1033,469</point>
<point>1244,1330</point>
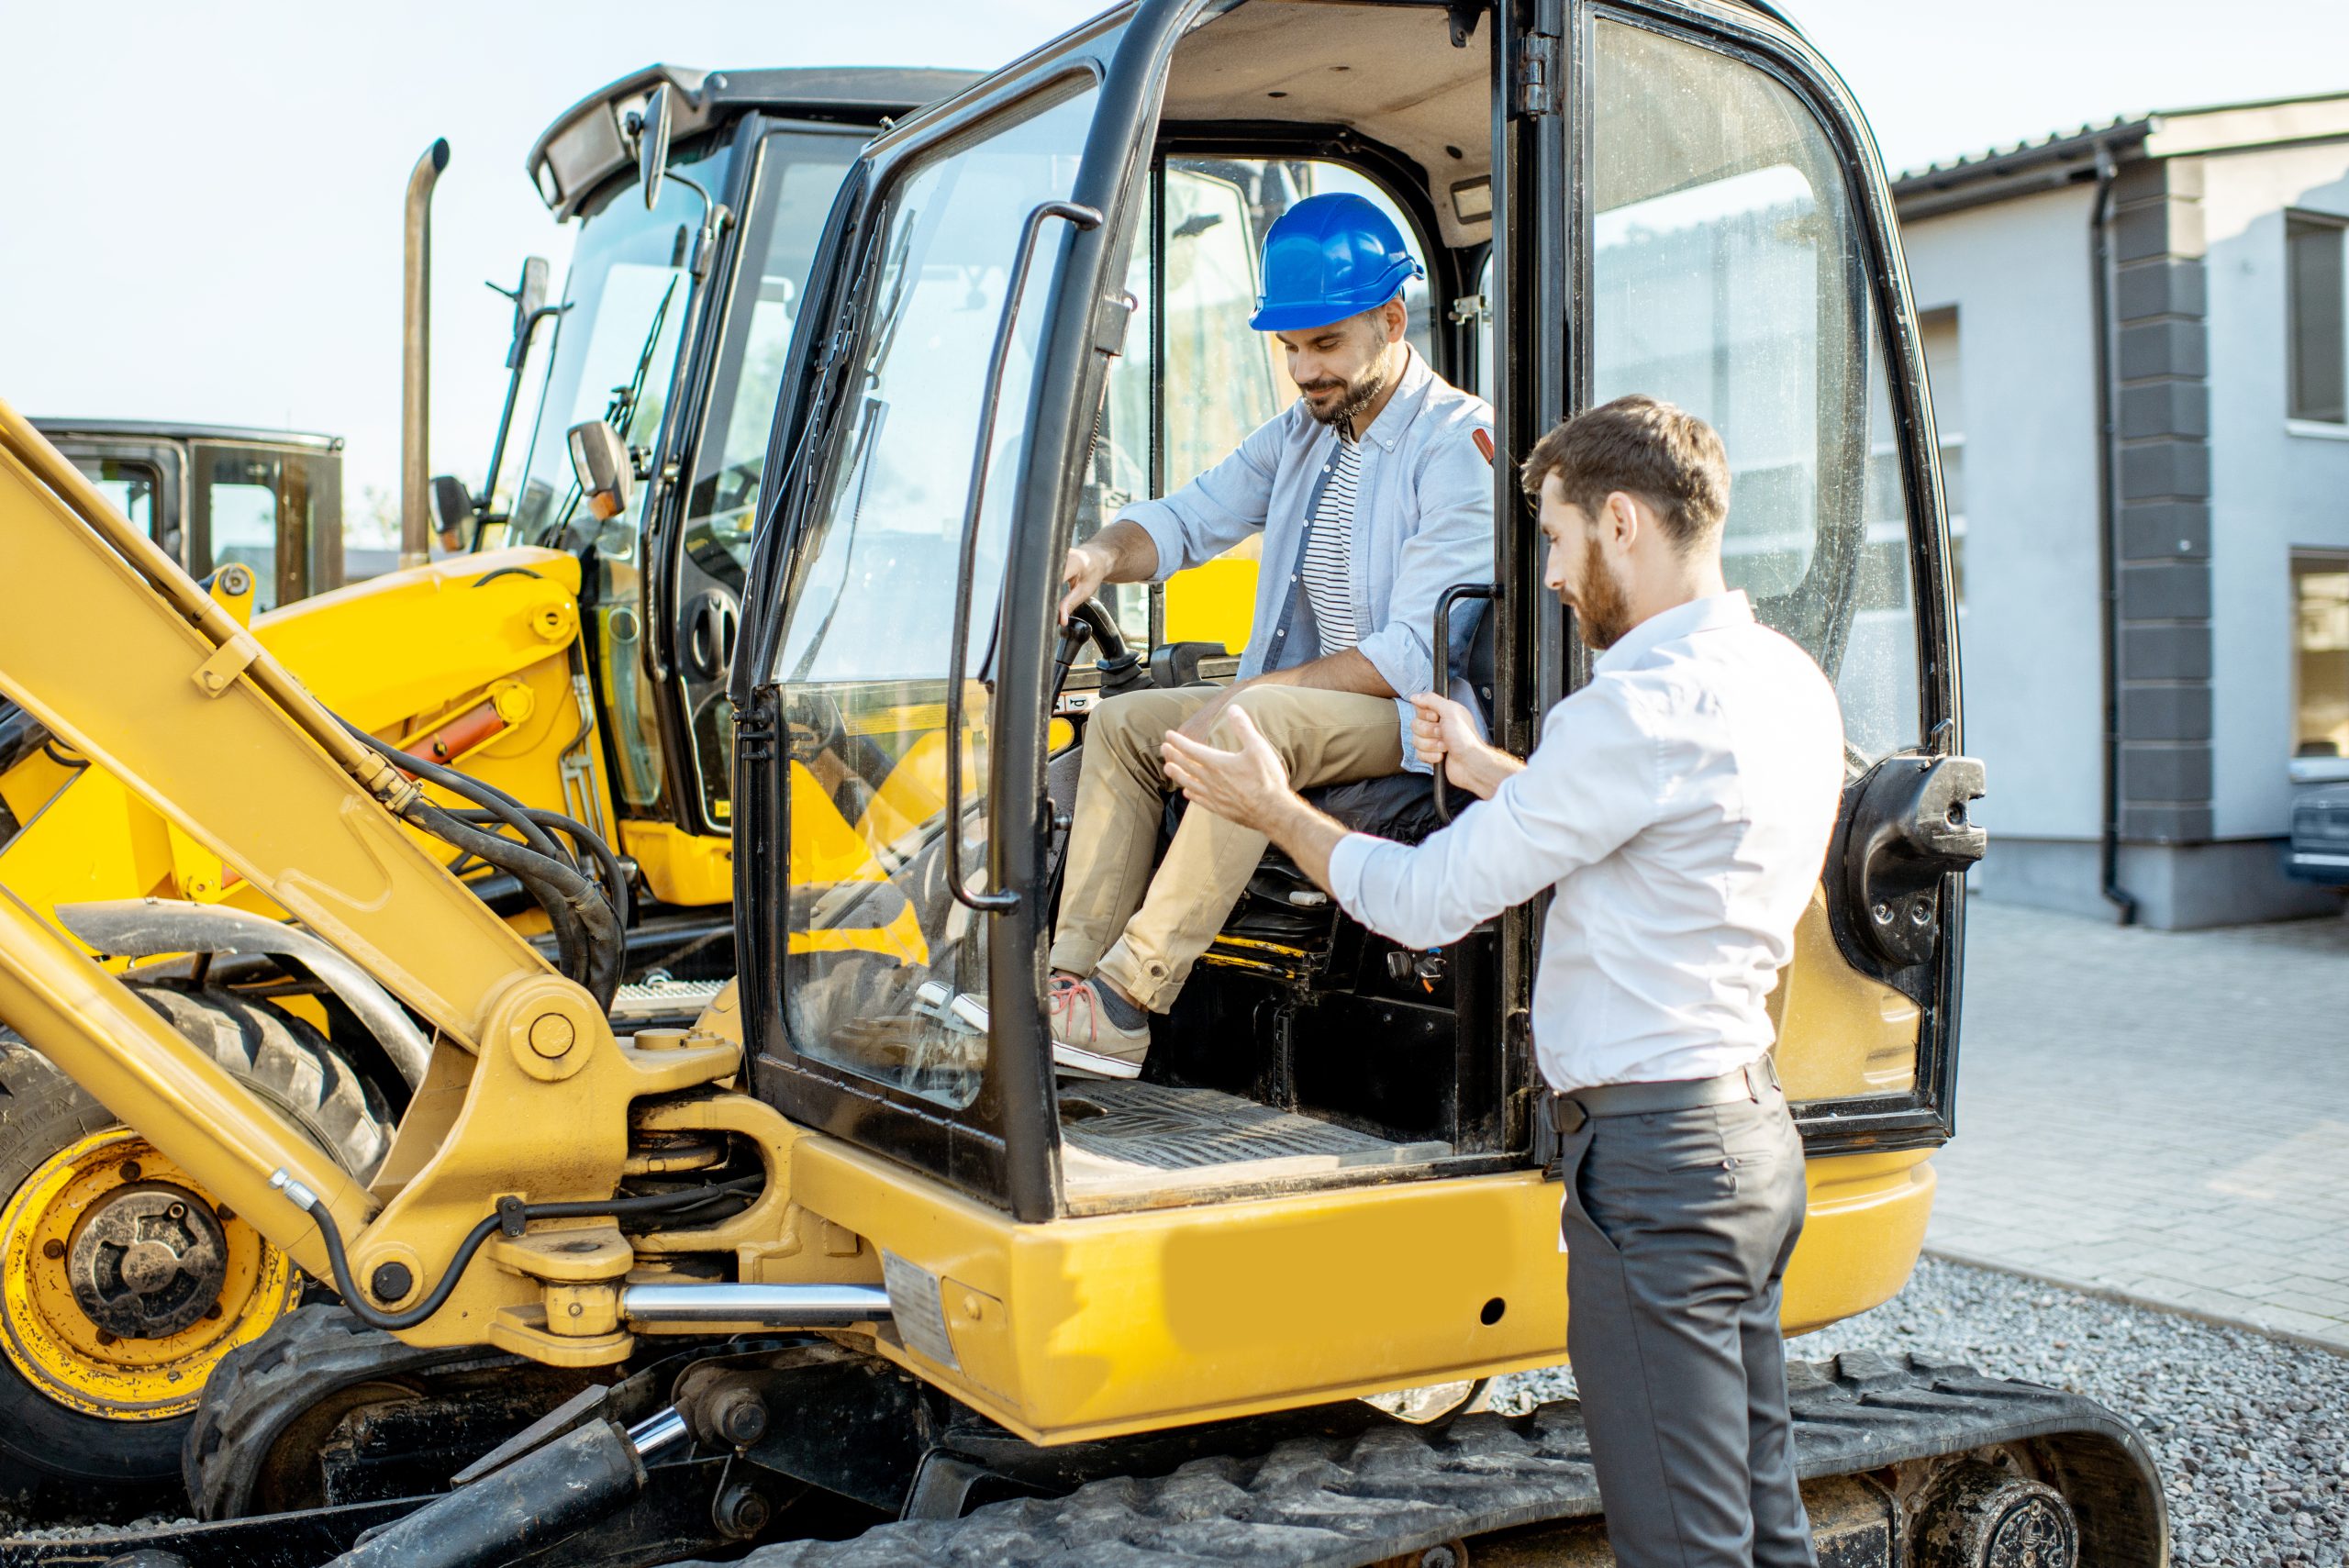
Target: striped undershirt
<point>1328,567</point>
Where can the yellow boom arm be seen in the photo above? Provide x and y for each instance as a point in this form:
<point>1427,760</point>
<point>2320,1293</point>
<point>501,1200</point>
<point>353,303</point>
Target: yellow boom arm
<point>111,647</point>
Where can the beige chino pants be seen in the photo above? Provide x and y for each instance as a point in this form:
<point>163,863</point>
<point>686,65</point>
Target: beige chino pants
<point>1144,932</point>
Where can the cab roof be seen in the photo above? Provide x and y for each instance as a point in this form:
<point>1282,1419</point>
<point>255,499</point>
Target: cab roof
<point>588,144</point>
<point>173,430</point>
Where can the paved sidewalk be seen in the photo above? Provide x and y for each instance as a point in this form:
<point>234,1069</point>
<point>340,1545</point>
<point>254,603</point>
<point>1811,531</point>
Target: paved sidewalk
<point>2163,1114</point>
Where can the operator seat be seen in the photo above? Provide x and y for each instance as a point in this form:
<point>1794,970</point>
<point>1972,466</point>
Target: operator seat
<point>1282,902</point>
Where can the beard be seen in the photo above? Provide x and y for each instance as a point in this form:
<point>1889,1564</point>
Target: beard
<point>1601,605</point>
<point>1357,394</point>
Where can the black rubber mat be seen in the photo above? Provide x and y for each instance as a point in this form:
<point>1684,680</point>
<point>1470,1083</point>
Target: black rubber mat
<point>1141,1127</point>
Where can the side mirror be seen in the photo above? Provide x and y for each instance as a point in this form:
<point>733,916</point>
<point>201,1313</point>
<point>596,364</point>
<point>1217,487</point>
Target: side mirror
<point>653,145</point>
<point>452,509</point>
<point>600,458</point>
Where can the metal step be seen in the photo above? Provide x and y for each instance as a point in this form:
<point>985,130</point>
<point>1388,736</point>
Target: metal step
<point>651,1000</point>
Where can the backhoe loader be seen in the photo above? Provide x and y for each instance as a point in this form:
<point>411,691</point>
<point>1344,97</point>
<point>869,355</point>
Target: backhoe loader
<point>536,658</point>
<point>840,1274</point>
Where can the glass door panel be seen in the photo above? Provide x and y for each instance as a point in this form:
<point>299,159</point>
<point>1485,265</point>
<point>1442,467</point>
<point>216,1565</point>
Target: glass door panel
<point>887,971</point>
<point>1731,276</point>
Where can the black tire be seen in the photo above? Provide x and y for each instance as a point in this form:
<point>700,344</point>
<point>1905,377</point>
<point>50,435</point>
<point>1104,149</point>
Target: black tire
<point>55,1460</point>
<point>289,1063</point>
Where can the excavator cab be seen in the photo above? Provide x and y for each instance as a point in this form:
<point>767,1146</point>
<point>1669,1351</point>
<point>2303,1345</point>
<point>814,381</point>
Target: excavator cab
<point>1035,298</point>
<point>215,496</point>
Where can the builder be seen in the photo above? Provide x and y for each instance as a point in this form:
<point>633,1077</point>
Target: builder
<point>1373,498</point>
<point>1680,806</point>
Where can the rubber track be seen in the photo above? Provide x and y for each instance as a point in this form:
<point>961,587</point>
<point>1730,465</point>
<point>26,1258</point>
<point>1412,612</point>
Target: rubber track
<point>1343,1504</point>
<point>260,1389</point>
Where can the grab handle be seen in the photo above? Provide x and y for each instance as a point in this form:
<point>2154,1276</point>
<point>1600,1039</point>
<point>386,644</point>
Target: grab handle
<point>1486,591</point>
<point>994,901</point>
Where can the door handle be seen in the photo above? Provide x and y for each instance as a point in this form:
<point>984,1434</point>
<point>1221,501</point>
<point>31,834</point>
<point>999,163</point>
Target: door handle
<point>994,901</point>
<point>1905,830</point>
<point>710,634</point>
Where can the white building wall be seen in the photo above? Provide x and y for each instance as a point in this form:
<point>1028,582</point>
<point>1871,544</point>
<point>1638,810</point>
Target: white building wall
<point>2271,488</point>
<point>2018,272</point>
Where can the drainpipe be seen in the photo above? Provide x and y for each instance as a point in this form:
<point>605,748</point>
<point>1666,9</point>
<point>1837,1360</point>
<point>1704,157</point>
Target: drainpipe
<point>415,357</point>
<point>2124,903</point>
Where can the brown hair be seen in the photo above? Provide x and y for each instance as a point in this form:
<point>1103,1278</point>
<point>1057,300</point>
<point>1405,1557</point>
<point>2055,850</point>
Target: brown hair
<point>1645,447</point>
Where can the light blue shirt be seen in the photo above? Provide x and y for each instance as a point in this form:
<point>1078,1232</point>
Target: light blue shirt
<point>1423,523</point>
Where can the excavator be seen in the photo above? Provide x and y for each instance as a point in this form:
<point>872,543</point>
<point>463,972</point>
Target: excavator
<point>839,1272</point>
<point>532,657</point>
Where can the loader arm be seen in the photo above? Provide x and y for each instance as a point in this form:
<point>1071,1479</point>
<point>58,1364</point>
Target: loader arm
<point>124,658</point>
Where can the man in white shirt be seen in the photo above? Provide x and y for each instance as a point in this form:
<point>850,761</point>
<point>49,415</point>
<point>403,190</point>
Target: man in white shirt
<point>1680,806</point>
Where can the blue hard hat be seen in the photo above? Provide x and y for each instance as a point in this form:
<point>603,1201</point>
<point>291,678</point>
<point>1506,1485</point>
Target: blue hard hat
<point>1329,256</point>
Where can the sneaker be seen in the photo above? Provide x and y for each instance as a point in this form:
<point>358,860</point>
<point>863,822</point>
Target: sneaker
<point>1088,1042</point>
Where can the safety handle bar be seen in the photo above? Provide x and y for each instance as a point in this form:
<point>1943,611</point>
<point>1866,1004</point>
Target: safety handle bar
<point>994,901</point>
<point>1488,592</point>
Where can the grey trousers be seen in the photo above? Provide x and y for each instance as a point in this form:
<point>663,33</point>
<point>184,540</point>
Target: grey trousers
<point>1677,1227</point>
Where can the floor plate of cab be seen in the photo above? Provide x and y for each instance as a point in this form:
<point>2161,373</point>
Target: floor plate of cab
<point>1119,1139</point>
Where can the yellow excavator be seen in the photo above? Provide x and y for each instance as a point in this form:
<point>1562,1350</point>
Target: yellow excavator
<point>839,1274</point>
<point>533,658</point>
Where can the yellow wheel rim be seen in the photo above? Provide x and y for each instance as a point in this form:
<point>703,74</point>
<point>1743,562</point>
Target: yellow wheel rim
<point>53,1342</point>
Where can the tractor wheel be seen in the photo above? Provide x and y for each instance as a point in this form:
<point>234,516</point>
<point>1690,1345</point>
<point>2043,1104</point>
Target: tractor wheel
<point>122,1282</point>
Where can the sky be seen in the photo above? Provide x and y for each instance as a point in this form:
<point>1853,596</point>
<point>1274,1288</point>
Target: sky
<point>203,222</point>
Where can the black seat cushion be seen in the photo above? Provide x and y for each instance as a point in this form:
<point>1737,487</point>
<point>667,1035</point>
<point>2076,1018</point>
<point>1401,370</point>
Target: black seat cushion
<point>1400,807</point>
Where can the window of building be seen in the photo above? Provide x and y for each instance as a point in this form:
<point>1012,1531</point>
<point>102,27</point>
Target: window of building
<point>2320,656</point>
<point>2320,345</point>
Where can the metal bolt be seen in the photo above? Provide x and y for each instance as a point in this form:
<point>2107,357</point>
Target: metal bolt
<point>213,1311</point>
<point>739,1416</point>
<point>224,1214</point>
<point>739,1512</point>
<point>390,1282</point>
<point>105,1338</point>
<point>177,1211</point>
<point>1439,1557</point>
<point>52,1249</point>
<point>131,1170</point>
<point>552,1035</point>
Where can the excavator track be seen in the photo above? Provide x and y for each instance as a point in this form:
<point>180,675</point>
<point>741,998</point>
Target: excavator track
<point>1394,1493</point>
<point>236,1463</point>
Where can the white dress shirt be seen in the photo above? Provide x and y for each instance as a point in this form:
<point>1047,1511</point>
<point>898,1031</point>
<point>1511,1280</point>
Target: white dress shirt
<point>1681,805</point>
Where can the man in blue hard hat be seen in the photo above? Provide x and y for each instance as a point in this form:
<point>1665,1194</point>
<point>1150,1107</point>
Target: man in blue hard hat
<point>1372,497</point>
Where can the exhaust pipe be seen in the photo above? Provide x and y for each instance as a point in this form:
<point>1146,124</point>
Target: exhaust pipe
<point>415,357</point>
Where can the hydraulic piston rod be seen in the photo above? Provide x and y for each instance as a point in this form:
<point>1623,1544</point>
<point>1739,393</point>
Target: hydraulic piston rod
<point>772,1305</point>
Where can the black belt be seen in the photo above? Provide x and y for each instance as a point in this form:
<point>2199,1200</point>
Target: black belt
<point>1564,1115</point>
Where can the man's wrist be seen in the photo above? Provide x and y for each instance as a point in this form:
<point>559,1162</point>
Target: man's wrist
<point>1490,769</point>
<point>1284,816</point>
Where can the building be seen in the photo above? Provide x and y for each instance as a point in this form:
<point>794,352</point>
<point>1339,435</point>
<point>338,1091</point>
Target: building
<point>2139,345</point>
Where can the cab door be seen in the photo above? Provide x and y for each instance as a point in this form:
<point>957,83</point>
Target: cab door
<point>1736,255</point>
<point>890,686</point>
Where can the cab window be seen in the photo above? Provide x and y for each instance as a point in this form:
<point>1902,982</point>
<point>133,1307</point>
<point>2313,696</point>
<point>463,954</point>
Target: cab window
<point>614,357</point>
<point>1215,379</point>
<point>1729,277</point>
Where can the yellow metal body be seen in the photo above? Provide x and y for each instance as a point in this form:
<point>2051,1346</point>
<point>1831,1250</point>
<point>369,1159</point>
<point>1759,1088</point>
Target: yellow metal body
<point>1080,1326</point>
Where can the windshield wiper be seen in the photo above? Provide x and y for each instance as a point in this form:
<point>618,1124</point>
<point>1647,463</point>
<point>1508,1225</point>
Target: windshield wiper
<point>621,412</point>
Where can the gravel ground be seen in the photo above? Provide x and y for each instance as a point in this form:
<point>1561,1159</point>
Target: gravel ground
<point>2252,1432</point>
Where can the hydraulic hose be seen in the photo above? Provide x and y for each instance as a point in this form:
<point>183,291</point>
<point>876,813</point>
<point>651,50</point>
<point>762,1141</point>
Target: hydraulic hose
<point>590,842</point>
<point>589,932</point>
<point>512,1214</point>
